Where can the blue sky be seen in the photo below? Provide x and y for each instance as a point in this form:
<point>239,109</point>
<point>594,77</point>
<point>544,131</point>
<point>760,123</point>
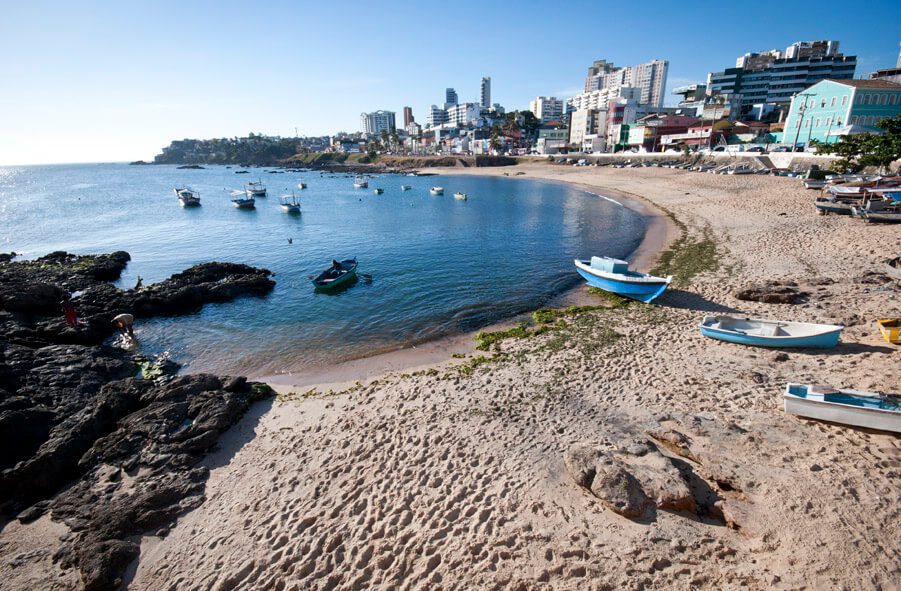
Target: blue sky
<point>112,81</point>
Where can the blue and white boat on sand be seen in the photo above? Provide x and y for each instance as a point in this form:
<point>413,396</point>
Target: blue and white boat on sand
<point>613,275</point>
<point>849,407</point>
<point>770,333</point>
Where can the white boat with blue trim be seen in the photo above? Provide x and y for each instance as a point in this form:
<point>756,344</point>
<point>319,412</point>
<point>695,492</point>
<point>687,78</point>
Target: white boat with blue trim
<point>770,333</point>
<point>613,275</point>
<point>870,410</point>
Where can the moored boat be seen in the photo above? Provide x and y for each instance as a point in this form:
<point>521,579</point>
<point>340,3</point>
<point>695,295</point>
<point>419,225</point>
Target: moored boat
<point>244,202</point>
<point>338,274</point>
<point>870,410</point>
<point>289,203</point>
<point>378,190</point>
<point>460,196</point>
<point>613,275</point>
<point>770,333</point>
<point>890,329</point>
<point>437,190</point>
<point>255,189</point>
<point>301,185</point>
<point>188,197</point>
<point>405,187</point>
<point>361,183</point>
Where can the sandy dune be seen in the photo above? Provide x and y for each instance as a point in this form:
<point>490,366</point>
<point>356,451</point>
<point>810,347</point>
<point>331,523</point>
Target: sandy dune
<point>453,477</point>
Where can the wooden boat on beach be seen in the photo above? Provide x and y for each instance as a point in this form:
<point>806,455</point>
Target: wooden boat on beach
<point>338,274</point>
<point>890,329</point>
<point>188,197</point>
<point>870,410</point>
<point>770,333</point>
<point>460,196</point>
<point>613,275</point>
<point>437,190</point>
<point>878,208</point>
<point>289,203</point>
<point>255,189</point>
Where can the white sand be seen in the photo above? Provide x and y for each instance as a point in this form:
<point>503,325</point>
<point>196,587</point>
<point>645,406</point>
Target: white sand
<point>453,479</point>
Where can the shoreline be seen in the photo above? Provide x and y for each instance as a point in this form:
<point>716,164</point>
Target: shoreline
<point>659,234</point>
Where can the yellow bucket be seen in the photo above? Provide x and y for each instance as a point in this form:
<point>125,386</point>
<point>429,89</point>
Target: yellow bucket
<point>891,329</point>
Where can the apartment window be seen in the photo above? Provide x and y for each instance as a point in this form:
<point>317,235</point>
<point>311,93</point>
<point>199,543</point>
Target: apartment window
<point>822,103</point>
<point>818,121</point>
<point>844,100</point>
<point>832,102</point>
<point>828,121</point>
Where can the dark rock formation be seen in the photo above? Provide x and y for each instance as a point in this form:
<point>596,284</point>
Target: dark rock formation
<point>112,455</point>
<point>773,292</point>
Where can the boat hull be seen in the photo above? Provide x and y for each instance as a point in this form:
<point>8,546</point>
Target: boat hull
<point>846,414</point>
<point>738,330</point>
<point>189,202</point>
<point>644,292</point>
<point>349,265</point>
<point>836,208</point>
<point>291,208</point>
<point>244,204</point>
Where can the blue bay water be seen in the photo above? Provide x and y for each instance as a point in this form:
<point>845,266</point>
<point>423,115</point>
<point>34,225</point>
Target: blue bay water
<point>439,266</point>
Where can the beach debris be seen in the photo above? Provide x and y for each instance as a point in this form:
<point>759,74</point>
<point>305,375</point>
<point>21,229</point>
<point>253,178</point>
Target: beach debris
<point>773,292</point>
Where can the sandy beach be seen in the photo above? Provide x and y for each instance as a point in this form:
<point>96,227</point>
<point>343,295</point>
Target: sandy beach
<point>458,473</point>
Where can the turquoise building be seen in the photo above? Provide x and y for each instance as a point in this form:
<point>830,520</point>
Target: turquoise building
<point>832,108</point>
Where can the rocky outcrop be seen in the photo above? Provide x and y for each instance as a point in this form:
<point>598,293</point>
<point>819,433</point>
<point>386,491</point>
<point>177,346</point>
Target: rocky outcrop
<point>111,455</point>
<point>773,292</point>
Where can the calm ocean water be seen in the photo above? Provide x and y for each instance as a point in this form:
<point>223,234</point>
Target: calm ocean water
<point>439,266</point>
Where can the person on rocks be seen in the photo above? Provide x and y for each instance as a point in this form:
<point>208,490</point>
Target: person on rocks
<point>125,323</point>
<point>69,312</point>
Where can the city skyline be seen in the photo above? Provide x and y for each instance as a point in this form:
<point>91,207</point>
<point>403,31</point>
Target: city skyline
<point>83,88</point>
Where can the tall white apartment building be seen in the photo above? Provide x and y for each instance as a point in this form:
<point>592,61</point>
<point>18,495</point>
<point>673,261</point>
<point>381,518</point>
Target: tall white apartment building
<point>463,113</point>
<point>485,92</point>
<point>376,122</point>
<point>547,108</point>
<point>649,78</point>
<point>598,99</point>
<point>436,116</point>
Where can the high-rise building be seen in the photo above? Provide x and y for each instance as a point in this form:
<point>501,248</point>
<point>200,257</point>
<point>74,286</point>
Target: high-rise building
<point>450,97</point>
<point>485,92</point>
<point>437,116</point>
<point>889,74</point>
<point>775,77</point>
<point>547,108</point>
<point>463,113</point>
<point>376,122</point>
<point>408,116</point>
<point>649,78</point>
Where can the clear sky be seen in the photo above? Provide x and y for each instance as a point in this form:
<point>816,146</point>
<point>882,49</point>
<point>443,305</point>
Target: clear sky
<point>113,81</point>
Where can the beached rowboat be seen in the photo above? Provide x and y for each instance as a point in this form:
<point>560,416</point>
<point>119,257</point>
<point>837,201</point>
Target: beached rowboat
<point>613,275</point>
<point>870,410</point>
<point>770,333</point>
<point>338,274</point>
<point>890,329</point>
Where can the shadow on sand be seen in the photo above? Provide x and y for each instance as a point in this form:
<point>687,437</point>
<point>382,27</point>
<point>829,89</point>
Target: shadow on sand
<point>677,298</point>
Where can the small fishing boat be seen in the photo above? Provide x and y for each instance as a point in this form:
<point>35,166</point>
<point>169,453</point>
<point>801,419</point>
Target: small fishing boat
<point>339,273</point>
<point>890,329</point>
<point>244,202</point>
<point>405,187</point>
<point>878,209</point>
<point>255,189</point>
<point>301,185</point>
<point>836,205</point>
<point>870,410</point>
<point>460,196</point>
<point>188,197</point>
<point>770,333</point>
<point>814,184</point>
<point>437,190</point>
<point>361,183</point>
<point>613,275</point>
<point>378,191</point>
<point>289,203</point>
